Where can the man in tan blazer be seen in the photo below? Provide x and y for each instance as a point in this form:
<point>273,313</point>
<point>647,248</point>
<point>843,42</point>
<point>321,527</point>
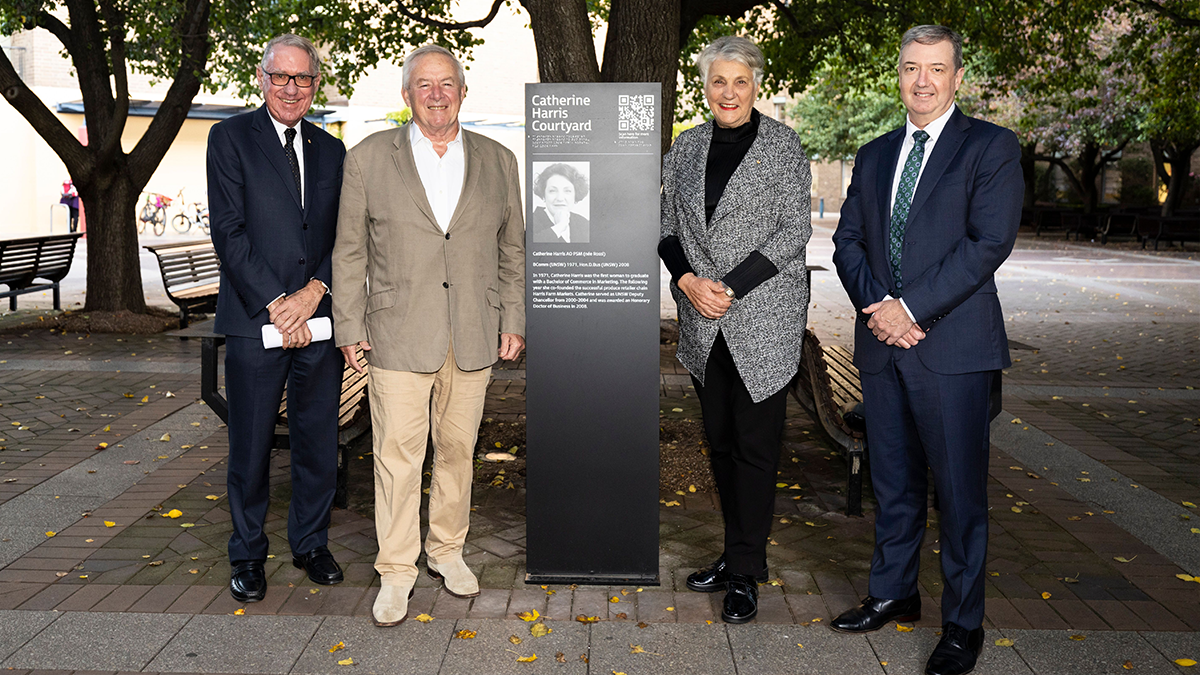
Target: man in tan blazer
<point>428,278</point>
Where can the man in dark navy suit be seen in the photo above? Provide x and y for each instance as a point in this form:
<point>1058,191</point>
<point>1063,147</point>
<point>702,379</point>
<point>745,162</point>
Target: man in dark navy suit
<point>273,187</point>
<point>931,213</point>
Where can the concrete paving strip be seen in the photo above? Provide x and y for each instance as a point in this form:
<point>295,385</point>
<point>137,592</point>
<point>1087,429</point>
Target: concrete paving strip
<point>1139,511</point>
<point>113,366</point>
<point>294,644</point>
<point>1034,391</point>
<point>58,502</point>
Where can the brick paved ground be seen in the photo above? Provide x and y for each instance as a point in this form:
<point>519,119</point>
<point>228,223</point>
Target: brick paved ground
<point>1115,388</point>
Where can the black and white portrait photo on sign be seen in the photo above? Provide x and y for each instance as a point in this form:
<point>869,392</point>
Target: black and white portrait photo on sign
<point>561,203</point>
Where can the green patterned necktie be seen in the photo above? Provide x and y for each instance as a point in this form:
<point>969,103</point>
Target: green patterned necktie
<point>904,195</point>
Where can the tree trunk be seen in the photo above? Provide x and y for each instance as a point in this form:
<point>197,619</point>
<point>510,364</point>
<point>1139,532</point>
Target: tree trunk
<point>1029,173</point>
<point>562,34</point>
<point>1179,159</point>
<point>1089,170</point>
<point>643,46</point>
<point>114,271</point>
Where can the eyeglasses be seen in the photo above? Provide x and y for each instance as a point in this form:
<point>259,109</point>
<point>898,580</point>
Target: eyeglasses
<point>302,80</point>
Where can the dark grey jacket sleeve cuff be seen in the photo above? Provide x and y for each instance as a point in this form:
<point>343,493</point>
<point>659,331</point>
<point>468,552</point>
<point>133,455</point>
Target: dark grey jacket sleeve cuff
<point>747,276</point>
<point>671,252</point>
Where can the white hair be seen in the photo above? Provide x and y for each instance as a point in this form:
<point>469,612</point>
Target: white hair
<point>410,62</point>
<point>732,48</point>
<point>291,40</point>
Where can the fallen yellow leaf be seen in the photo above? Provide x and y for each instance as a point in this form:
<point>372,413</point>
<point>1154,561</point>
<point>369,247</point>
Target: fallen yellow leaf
<point>239,611</point>
<point>590,619</point>
<point>1186,663</point>
<point>51,533</point>
<point>423,618</point>
<point>165,438</point>
<point>514,639</point>
<point>339,645</point>
<point>1185,577</point>
<point>465,634</point>
<point>692,488</point>
<point>1123,559</point>
<point>1078,638</point>
<point>904,629</point>
<point>527,659</point>
<point>539,629</point>
<point>531,615</point>
<point>1004,642</point>
<point>1189,505</point>
<point>348,661</point>
<point>173,513</point>
<point>211,498</point>
<point>109,523</point>
<point>187,525</point>
<point>1128,665</point>
<point>614,599</point>
<point>1045,596</point>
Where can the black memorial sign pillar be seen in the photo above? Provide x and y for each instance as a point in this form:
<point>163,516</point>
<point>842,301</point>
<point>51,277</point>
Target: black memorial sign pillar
<point>592,370</point>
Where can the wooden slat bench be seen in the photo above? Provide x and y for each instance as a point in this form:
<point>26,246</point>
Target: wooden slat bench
<point>827,385</point>
<point>191,273</point>
<point>23,262</point>
<point>354,417</point>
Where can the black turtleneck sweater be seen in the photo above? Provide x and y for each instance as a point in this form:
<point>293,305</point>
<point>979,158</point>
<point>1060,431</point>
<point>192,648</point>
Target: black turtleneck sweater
<point>725,154</point>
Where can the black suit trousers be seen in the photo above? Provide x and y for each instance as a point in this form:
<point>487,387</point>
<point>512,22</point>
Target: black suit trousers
<point>744,438</point>
<point>254,382</point>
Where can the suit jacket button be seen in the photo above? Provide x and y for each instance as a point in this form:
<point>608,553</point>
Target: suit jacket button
<point>445,284</point>
<point>306,226</point>
<point>447,235</point>
<point>302,261</point>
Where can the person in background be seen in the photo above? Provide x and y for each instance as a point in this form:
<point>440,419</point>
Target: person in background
<point>735,223</point>
<point>70,198</point>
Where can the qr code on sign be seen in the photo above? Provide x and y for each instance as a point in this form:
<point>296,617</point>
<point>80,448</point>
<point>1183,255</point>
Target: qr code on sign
<point>635,113</point>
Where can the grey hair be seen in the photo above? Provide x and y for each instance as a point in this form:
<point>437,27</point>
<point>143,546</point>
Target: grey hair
<point>291,40</point>
<point>931,35</point>
<point>410,62</point>
<point>732,48</point>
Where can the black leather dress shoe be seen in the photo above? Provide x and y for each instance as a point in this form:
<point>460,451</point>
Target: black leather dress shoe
<point>320,565</point>
<point>956,652</point>
<point>714,577</point>
<point>248,582</point>
<point>741,599</point>
<point>874,614</point>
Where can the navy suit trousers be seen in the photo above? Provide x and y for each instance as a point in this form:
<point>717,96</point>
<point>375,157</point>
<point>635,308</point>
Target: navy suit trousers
<point>918,422</point>
<point>254,382</point>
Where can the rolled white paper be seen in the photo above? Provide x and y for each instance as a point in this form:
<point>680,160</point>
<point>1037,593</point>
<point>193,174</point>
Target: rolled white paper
<point>320,327</point>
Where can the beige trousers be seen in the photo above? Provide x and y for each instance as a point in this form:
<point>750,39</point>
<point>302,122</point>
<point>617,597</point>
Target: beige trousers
<point>403,407</point>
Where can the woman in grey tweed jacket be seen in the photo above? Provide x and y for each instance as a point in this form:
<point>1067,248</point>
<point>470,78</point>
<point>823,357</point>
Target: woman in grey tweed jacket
<point>735,221</point>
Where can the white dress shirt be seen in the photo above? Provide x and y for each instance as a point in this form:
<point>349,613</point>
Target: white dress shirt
<point>934,129</point>
<point>297,145</point>
<point>442,177</point>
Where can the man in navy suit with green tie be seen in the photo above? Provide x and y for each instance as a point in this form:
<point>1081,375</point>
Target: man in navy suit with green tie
<point>274,182</point>
<point>932,211</point>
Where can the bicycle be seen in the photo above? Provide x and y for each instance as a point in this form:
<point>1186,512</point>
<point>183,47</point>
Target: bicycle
<point>154,212</point>
<point>182,222</point>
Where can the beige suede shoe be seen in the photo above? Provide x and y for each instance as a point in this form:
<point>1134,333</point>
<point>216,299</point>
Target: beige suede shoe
<point>391,606</point>
<point>457,578</point>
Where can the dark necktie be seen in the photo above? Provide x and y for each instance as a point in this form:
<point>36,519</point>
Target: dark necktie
<point>904,195</point>
<point>289,135</point>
